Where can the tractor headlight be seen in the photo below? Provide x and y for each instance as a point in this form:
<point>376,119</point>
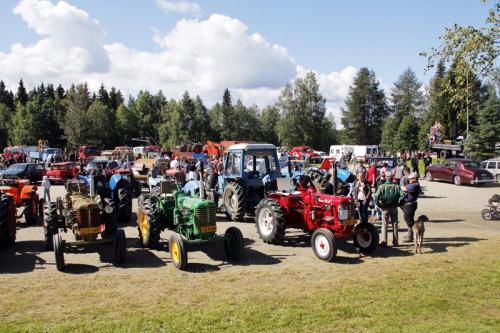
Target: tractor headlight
<point>343,212</point>
<point>109,209</point>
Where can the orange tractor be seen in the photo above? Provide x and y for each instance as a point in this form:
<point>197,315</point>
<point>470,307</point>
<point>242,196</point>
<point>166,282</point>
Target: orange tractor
<point>23,195</point>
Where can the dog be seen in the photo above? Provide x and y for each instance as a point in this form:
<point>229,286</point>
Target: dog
<point>418,232</point>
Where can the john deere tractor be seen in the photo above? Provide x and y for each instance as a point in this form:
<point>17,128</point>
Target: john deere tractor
<point>192,219</point>
<point>87,216</point>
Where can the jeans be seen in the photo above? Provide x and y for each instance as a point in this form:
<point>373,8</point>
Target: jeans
<point>46,195</point>
<point>363,211</point>
<point>377,212</point>
<point>409,210</point>
<point>390,215</point>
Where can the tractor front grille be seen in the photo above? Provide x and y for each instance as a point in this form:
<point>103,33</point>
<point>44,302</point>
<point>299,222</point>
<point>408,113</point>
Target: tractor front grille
<point>205,216</point>
<point>82,217</point>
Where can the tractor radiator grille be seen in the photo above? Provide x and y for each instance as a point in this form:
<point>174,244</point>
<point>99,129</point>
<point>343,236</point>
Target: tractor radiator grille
<point>82,218</point>
<point>205,216</point>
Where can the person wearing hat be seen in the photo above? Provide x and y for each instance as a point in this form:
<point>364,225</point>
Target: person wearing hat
<point>46,188</point>
<point>411,190</point>
<point>388,197</point>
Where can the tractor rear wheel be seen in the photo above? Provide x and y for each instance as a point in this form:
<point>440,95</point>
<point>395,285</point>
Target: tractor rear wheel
<point>270,221</point>
<point>30,212</point>
<point>233,243</point>
<point>59,252</point>
<point>365,237</point>
<point>178,251</point>
<point>149,224</point>
<point>120,246</point>
<point>323,244</point>
<point>125,203</point>
<point>235,201</point>
<point>7,221</point>
<point>50,227</point>
<point>486,214</point>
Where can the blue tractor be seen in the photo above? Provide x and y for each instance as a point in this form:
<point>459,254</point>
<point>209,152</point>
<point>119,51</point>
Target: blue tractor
<point>250,171</point>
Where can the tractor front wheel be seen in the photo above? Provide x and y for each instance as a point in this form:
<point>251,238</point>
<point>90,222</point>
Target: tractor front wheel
<point>178,252</point>
<point>270,221</point>
<point>125,203</point>
<point>323,244</point>
<point>59,252</point>
<point>233,243</point>
<point>7,221</point>
<point>31,210</point>
<point>234,201</point>
<point>50,227</point>
<point>120,246</point>
<point>365,237</point>
<point>486,214</point>
<point>149,224</point>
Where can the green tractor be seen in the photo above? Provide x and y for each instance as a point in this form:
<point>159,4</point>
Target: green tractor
<point>192,219</point>
<point>91,218</point>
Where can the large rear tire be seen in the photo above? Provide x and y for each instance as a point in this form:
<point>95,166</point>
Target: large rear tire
<point>323,244</point>
<point>178,251</point>
<point>7,221</point>
<point>50,227</point>
<point>120,246</point>
<point>235,201</point>
<point>233,243</point>
<point>270,221</point>
<point>125,203</point>
<point>365,237</point>
<point>59,252</point>
<point>149,224</point>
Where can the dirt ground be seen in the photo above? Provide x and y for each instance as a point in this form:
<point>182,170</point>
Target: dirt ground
<point>454,214</point>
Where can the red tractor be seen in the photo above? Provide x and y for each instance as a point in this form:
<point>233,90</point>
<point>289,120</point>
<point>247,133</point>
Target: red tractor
<point>7,221</point>
<point>325,216</point>
<point>23,194</point>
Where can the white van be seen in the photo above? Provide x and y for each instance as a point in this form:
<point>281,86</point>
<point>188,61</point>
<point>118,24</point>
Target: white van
<point>139,150</point>
<point>338,150</point>
<point>362,152</point>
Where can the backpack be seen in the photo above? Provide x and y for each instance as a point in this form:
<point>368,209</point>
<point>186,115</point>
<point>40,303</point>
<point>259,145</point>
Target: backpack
<point>390,196</point>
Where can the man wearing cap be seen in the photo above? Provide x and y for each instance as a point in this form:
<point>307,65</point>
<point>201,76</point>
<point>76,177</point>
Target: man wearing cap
<point>412,190</point>
<point>46,188</point>
<point>388,198</point>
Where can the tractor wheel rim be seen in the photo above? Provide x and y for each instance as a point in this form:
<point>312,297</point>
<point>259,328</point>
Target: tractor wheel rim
<point>232,200</point>
<point>322,246</point>
<point>175,253</point>
<point>364,238</point>
<point>144,224</point>
<point>487,215</point>
<point>266,221</point>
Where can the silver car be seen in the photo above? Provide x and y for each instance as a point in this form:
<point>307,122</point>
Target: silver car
<point>493,167</point>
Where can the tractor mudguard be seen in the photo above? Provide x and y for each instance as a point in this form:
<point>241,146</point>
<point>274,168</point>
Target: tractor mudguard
<point>26,192</point>
<point>191,187</point>
<point>114,180</point>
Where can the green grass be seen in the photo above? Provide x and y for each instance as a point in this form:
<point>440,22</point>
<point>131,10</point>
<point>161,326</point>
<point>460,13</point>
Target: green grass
<point>449,292</point>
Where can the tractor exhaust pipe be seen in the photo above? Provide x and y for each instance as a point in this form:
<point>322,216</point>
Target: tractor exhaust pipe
<point>92,186</point>
<point>202,188</point>
<point>334,180</point>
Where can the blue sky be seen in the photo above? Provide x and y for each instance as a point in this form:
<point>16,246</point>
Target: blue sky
<point>325,36</point>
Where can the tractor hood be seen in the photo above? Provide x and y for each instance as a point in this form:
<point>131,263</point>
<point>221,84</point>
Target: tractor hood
<point>332,200</point>
<point>79,201</point>
<point>194,203</point>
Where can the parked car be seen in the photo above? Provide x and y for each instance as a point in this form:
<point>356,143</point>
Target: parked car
<point>459,171</point>
<point>60,172</point>
<point>492,166</point>
<point>31,171</point>
<point>300,152</point>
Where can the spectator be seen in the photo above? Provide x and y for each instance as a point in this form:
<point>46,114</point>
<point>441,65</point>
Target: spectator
<point>399,170</point>
<point>174,164</point>
<point>414,163</point>
<point>427,162</point>
<point>46,188</point>
<point>361,167</point>
<point>404,180</point>
<point>388,197</point>
<point>412,190</point>
<point>362,193</point>
<point>372,174</point>
<point>384,167</point>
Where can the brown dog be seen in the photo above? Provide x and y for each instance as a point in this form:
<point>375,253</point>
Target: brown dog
<point>418,232</point>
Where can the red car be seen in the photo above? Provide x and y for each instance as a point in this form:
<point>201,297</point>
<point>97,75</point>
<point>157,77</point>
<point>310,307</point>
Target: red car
<point>60,172</point>
<point>459,171</point>
<point>300,152</point>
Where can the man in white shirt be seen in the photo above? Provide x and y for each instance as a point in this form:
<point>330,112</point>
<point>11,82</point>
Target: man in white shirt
<point>46,188</point>
<point>174,164</point>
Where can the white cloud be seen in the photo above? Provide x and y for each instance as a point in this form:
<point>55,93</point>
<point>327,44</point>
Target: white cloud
<point>201,56</point>
<point>178,6</point>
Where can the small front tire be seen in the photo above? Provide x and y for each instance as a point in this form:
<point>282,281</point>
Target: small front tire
<point>233,243</point>
<point>323,244</point>
<point>486,214</point>
<point>58,245</point>
<point>178,253</point>
<point>120,246</point>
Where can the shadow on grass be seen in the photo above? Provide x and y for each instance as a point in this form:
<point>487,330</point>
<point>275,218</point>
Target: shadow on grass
<point>445,221</point>
<point>80,269</point>
<point>22,257</point>
<point>431,197</point>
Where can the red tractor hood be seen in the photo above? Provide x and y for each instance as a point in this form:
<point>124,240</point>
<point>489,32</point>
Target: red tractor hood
<point>331,199</point>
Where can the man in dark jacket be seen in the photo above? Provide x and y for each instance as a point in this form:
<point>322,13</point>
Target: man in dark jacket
<point>362,193</point>
<point>412,190</point>
<point>427,162</point>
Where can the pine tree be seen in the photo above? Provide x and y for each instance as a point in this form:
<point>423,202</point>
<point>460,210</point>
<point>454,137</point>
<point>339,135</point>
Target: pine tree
<point>21,132</point>
<point>406,96</point>
<point>76,122</point>
<point>227,116</point>
<point>126,124</point>
<point>101,130</point>
<point>388,134</point>
<point>366,109</point>
<point>6,97</point>
<point>21,96</point>
<point>103,96</point>
<point>269,119</point>
<point>201,123</point>
<point>406,138</point>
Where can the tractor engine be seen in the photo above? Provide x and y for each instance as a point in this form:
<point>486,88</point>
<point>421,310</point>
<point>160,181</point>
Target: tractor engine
<point>85,218</point>
<point>194,217</point>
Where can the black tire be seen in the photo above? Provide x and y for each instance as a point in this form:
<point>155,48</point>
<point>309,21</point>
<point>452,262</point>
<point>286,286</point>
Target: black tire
<point>443,154</point>
<point>155,190</point>
<point>7,221</point>
<point>365,237</point>
<point>235,201</point>
<point>270,221</point>
<point>120,246</point>
<point>178,253</point>
<point>31,209</point>
<point>323,244</point>
<point>457,180</point>
<point>50,227</point>
<point>124,203</point>
<point>59,252</point>
<point>487,215</point>
<point>233,243</point>
<point>428,176</point>
<point>149,225</point>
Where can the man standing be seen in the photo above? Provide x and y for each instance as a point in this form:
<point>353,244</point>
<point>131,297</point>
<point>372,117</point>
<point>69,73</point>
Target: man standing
<point>388,197</point>
<point>414,163</point>
<point>362,193</point>
<point>46,188</point>
<point>427,162</point>
<point>412,191</point>
<point>405,179</point>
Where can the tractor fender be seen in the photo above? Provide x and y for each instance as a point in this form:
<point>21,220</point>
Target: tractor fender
<point>26,192</point>
<point>114,180</point>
